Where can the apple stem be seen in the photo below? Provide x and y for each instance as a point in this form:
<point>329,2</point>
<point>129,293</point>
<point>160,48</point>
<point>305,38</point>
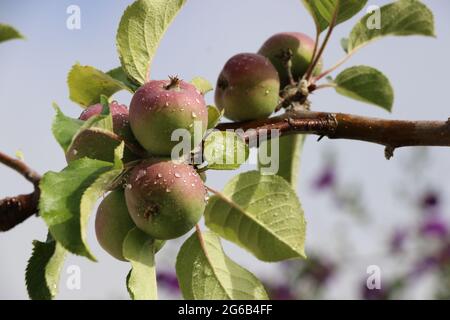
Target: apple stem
<point>325,42</point>
<point>336,66</point>
<point>316,47</point>
<point>174,83</point>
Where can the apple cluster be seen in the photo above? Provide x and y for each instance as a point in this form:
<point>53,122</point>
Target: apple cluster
<point>249,85</point>
<point>162,197</point>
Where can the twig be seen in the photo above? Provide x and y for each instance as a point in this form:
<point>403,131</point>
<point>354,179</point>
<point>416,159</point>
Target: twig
<point>333,68</point>
<point>310,69</point>
<point>325,41</point>
<point>211,190</point>
<point>201,239</point>
<point>14,210</point>
<point>323,86</point>
<point>392,133</point>
<point>20,167</point>
<point>286,57</point>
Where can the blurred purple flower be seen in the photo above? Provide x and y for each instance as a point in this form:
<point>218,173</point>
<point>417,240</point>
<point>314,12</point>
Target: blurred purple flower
<point>326,179</point>
<point>444,255</point>
<point>434,226</point>
<point>281,292</point>
<point>398,240</point>
<point>373,294</point>
<point>322,272</point>
<point>430,201</point>
<point>288,264</point>
<point>169,281</point>
<point>424,265</point>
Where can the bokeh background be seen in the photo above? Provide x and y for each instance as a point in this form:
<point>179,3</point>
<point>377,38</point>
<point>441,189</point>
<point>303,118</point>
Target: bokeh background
<point>361,209</point>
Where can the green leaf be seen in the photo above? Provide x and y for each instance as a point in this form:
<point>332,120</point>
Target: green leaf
<point>141,28</point>
<point>101,185</point>
<point>87,84</point>
<point>202,85</point>
<point>93,143</point>
<point>59,204</point>
<point>225,150</point>
<point>260,213</point>
<point>43,269</point>
<point>139,249</point>
<point>105,105</point>
<point>64,128</point>
<point>20,155</point>
<point>288,156</point>
<point>121,76</point>
<point>7,32</point>
<point>118,156</point>
<point>322,11</point>
<point>401,18</point>
<point>205,273</point>
<point>214,115</point>
<point>344,44</point>
<point>366,84</point>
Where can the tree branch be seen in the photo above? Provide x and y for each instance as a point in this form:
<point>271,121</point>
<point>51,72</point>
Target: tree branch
<point>20,167</point>
<point>14,210</point>
<point>390,133</point>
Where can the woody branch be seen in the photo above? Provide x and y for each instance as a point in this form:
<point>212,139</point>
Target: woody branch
<point>391,134</point>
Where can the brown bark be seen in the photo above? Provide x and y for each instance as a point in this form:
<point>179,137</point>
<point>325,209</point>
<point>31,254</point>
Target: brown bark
<point>390,133</point>
<point>14,210</point>
<point>17,209</point>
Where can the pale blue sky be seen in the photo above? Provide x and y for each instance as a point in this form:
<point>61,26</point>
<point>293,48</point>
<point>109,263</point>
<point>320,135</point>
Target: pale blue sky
<point>205,34</point>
